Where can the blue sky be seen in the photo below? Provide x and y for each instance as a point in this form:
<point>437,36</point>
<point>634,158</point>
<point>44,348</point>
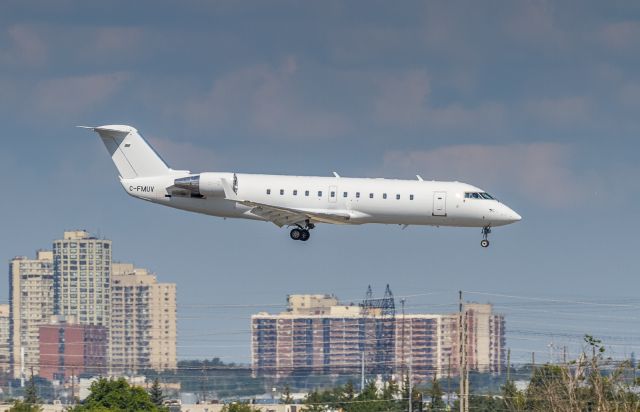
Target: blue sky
<point>537,102</point>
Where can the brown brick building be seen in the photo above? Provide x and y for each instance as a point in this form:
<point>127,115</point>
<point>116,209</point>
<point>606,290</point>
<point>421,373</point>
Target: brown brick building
<point>67,349</point>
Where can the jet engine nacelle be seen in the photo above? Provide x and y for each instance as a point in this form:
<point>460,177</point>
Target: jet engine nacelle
<point>203,184</point>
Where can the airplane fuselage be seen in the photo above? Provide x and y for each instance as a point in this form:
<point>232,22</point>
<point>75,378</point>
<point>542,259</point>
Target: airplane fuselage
<point>365,200</point>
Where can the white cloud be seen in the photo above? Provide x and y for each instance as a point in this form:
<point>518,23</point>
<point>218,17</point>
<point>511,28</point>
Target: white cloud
<point>560,112</point>
<point>621,36</point>
<point>540,172</point>
<point>25,47</point>
<point>404,100</point>
<point>263,100</point>
<point>69,96</point>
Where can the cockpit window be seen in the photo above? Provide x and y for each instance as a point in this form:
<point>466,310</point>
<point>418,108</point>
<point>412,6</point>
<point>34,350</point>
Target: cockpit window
<point>478,195</point>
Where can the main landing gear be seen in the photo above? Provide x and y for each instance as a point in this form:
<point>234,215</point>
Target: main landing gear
<point>302,233</point>
<point>485,234</point>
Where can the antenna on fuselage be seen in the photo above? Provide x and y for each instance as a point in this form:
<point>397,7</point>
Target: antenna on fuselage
<point>336,174</point>
<point>420,178</point>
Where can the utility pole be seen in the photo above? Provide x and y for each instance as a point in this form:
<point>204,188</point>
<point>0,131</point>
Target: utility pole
<point>449,380</point>
<point>508,365</point>
<point>362,373</point>
<point>402,364</point>
<point>564,354</point>
<point>533,363</point>
<point>410,387</point>
<point>462,343</point>
<point>73,386</point>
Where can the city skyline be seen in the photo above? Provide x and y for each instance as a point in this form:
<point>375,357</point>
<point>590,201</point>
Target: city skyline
<point>534,102</point>
<point>112,317</point>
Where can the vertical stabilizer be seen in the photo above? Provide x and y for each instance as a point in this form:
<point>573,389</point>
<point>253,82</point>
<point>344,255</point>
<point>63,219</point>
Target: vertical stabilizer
<point>131,154</point>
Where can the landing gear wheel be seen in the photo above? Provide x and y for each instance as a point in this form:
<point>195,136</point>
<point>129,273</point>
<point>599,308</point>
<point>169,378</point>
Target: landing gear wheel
<point>485,234</point>
<point>305,235</point>
<point>296,234</point>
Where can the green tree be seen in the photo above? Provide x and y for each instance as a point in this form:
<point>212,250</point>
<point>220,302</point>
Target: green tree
<point>513,399</point>
<point>346,396</point>
<point>314,402</point>
<point>486,403</point>
<point>116,395</point>
<point>20,406</point>
<point>435,394</point>
<point>239,407</point>
<point>31,392</point>
<point>286,396</point>
<point>155,393</point>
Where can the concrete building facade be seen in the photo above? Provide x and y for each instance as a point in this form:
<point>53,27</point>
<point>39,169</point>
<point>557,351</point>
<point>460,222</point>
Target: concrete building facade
<point>31,305</point>
<point>4,339</point>
<point>335,339</point>
<point>143,321</point>
<point>82,278</point>
<point>69,349</point>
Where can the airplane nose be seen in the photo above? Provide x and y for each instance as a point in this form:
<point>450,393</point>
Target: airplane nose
<point>510,216</point>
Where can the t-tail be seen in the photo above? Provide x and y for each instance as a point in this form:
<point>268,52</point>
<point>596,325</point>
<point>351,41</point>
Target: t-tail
<point>130,152</point>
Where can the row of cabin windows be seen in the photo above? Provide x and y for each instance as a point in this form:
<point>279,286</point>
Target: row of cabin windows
<point>344,194</point>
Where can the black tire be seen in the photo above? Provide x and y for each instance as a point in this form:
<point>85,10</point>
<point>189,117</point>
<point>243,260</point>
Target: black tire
<point>484,243</point>
<point>305,235</point>
<point>295,234</point>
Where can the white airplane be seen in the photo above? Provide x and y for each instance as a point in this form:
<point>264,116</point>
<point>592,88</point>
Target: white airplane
<point>300,202</point>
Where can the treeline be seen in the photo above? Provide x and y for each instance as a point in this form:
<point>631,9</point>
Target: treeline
<point>592,382</point>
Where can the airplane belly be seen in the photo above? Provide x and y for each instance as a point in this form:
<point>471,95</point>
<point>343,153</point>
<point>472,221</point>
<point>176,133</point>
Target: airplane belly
<point>211,206</point>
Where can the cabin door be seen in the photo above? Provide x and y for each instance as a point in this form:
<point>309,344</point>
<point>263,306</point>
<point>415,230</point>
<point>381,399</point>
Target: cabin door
<point>439,203</point>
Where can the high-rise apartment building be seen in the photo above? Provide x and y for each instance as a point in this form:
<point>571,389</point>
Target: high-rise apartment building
<point>31,305</point>
<point>486,338</point>
<point>336,339</point>
<point>143,321</point>
<point>82,281</point>
<point>4,339</point>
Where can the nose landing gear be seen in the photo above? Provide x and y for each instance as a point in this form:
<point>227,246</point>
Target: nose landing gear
<point>302,233</point>
<point>485,234</point>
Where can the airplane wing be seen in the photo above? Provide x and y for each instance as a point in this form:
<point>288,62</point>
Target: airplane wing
<point>282,216</point>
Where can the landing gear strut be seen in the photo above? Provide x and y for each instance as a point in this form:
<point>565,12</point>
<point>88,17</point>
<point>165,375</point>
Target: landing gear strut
<point>485,234</point>
<point>302,232</point>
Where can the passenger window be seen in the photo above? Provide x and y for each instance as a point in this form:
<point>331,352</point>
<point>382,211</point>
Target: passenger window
<point>295,193</point>
<point>333,194</point>
<point>357,195</point>
<point>410,197</point>
<point>370,195</point>
<point>281,191</point>
<point>268,191</point>
<point>384,195</point>
<point>397,197</point>
<point>344,194</point>
<point>319,193</point>
<point>306,193</point>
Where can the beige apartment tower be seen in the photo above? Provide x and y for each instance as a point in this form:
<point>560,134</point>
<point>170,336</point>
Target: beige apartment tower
<point>318,335</point>
<point>82,281</point>
<point>143,321</point>
<point>31,297</point>
<point>4,339</point>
